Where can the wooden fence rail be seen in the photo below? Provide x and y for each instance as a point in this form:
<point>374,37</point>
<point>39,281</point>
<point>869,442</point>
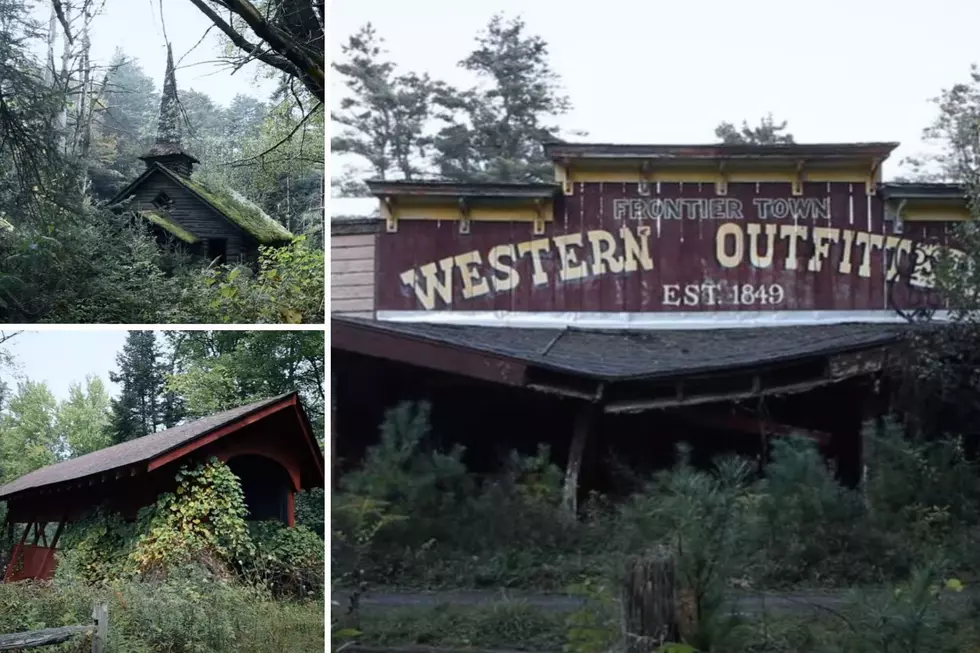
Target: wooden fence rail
<point>98,629</point>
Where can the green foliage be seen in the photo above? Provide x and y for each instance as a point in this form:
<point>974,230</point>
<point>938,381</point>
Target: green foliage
<point>28,438</point>
<point>794,527</point>
<point>218,370</point>
<point>287,288</point>
<point>290,559</point>
<point>240,210</point>
<point>84,418</point>
<point>203,520</point>
<point>595,627</point>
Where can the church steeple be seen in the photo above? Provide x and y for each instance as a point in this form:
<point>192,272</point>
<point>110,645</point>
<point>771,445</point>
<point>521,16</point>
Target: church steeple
<point>168,150</point>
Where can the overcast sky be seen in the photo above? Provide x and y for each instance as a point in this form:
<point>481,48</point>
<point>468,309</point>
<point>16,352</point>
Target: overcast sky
<point>136,27</point>
<point>665,71</point>
<point>64,357</point>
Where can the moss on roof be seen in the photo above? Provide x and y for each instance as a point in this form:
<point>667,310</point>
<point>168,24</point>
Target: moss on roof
<point>240,211</point>
<point>166,223</point>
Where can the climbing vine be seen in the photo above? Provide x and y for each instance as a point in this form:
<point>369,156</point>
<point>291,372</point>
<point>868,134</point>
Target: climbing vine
<point>201,522</point>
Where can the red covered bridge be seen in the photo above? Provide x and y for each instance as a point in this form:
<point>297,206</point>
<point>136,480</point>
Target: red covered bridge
<point>268,444</point>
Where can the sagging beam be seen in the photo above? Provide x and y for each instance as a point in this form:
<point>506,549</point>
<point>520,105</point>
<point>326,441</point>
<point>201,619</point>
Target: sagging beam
<point>756,390</point>
<point>751,425</point>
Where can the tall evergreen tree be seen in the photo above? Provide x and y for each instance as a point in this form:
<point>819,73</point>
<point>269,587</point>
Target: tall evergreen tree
<point>384,115</point>
<point>144,405</point>
<point>495,132</point>
<point>767,132</point>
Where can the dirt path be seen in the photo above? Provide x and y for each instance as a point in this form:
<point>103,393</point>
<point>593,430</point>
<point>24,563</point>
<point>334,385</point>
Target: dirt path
<point>743,602</point>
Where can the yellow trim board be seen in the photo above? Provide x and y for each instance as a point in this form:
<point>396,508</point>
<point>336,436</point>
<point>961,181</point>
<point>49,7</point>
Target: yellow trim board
<point>475,214</point>
<point>713,176</point>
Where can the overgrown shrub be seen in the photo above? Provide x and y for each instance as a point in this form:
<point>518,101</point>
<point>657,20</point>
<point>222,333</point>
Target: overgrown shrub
<point>794,526</point>
<point>202,523</point>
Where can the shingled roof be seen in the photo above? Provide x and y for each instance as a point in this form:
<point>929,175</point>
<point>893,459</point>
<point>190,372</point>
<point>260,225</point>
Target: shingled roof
<point>133,452</point>
<point>620,355</point>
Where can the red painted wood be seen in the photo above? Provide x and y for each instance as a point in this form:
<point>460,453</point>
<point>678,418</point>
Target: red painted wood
<point>184,450</point>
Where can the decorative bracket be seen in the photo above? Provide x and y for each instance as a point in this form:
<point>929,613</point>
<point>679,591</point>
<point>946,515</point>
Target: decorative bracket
<point>798,178</point>
<point>721,184</point>
<point>564,176</point>
<point>388,211</point>
<point>897,226</point>
<point>464,215</point>
<point>870,186</point>
<point>538,229</point>
<point>643,186</point>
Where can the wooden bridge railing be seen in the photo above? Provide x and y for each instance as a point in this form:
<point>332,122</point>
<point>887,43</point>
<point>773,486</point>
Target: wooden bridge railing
<point>98,629</point>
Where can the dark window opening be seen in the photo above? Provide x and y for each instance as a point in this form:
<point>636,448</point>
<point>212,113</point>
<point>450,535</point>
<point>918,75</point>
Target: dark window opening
<point>218,249</point>
<point>266,487</point>
<point>162,201</point>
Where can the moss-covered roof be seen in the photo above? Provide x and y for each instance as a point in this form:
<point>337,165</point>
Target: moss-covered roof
<point>166,223</point>
<point>240,211</point>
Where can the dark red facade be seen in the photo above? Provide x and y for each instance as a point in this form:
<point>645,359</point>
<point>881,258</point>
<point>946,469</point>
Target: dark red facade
<point>670,247</point>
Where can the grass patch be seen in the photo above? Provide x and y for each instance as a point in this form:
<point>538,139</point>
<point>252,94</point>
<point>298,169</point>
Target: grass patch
<point>510,625</point>
<point>186,615</point>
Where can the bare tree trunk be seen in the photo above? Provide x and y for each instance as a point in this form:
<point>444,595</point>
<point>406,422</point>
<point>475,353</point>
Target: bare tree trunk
<point>49,72</point>
<point>61,122</point>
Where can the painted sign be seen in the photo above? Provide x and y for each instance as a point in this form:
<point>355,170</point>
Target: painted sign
<point>671,247</point>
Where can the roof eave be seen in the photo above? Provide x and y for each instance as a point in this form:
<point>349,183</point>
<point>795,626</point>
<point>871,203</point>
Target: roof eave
<point>461,190</point>
<point>821,151</point>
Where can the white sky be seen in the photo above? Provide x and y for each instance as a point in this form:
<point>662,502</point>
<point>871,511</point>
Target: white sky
<point>64,357</point>
<point>665,71</point>
<point>135,26</point>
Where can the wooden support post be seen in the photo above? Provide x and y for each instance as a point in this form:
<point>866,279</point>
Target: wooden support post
<point>650,605</point>
<point>11,564</point>
<point>54,542</point>
<point>584,419</point>
<point>100,615</point>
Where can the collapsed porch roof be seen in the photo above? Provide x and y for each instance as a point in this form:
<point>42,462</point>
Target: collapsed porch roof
<point>629,371</point>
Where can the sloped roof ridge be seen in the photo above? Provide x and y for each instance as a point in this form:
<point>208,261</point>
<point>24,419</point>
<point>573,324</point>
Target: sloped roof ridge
<point>132,451</point>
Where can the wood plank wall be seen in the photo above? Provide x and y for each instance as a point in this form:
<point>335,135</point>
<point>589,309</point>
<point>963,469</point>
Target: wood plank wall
<point>352,274</point>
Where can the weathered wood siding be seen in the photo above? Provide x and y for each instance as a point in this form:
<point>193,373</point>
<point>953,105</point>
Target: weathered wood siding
<point>195,216</point>
<point>352,274</point>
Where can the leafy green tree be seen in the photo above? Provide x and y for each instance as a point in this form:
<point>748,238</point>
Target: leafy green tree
<point>218,370</point>
<point>940,388</point>
<point>495,132</point>
<point>767,132</point>
<point>29,438</point>
<point>83,419</point>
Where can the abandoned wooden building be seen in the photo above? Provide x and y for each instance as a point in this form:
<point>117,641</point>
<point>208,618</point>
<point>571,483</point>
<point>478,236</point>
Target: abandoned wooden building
<point>185,211</point>
<point>720,294</point>
<point>268,444</point>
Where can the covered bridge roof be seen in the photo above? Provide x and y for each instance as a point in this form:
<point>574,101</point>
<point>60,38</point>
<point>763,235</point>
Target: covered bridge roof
<point>143,452</point>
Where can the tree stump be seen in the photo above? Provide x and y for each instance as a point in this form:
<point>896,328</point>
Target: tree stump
<point>650,607</point>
